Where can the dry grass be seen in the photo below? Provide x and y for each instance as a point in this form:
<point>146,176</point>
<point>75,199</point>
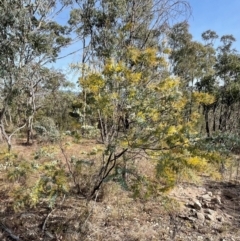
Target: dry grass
<point>116,216</point>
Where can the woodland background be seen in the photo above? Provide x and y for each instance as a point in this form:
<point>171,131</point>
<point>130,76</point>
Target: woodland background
<point>153,107</point>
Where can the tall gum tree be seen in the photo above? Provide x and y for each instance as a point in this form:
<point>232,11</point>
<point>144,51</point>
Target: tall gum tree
<point>29,39</point>
<point>193,62</point>
<point>228,70</point>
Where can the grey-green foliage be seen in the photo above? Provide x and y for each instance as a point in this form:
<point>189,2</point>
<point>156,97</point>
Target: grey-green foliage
<point>109,28</point>
<point>51,183</point>
<point>90,131</point>
<point>57,104</point>
<point>112,25</point>
<point>46,129</point>
<point>191,60</point>
<point>29,38</point>
<point>26,34</point>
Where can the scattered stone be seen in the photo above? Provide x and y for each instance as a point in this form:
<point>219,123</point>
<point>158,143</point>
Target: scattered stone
<point>203,189</point>
<point>208,239</point>
<point>220,219</point>
<point>183,216</point>
<point>189,204</point>
<point>206,197</point>
<point>200,217</point>
<point>197,205</point>
<point>193,211</point>
<point>216,200</point>
<point>210,194</point>
<point>217,192</point>
<point>209,217</point>
<point>209,211</point>
<point>192,219</point>
<point>206,205</point>
<point>211,206</point>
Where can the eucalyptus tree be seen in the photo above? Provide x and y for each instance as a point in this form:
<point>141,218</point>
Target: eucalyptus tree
<point>44,84</point>
<point>29,39</point>
<point>209,37</point>
<point>192,61</point>
<point>56,97</point>
<point>228,72</point>
<point>209,83</point>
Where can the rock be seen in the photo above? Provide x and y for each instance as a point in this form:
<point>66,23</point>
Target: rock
<point>220,219</point>
<point>227,216</point>
<point>208,239</point>
<point>192,211</point>
<point>197,205</point>
<point>192,219</point>
<point>217,192</point>
<point>211,206</point>
<point>209,211</point>
<point>200,217</point>
<point>210,194</point>
<point>206,197</point>
<point>76,225</point>
<point>206,205</point>
<point>216,200</point>
<point>189,205</point>
<point>182,216</point>
<point>209,217</point>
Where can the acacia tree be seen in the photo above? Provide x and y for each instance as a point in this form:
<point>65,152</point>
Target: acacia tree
<point>143,113</point>
<point>108,28</point>
<point>29,38</point>
<point>139,108</point>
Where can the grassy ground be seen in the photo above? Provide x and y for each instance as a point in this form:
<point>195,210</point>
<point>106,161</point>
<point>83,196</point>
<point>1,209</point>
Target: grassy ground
<point>114,214</point>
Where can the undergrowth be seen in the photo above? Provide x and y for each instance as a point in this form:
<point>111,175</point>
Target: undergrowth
<point>50,174</point>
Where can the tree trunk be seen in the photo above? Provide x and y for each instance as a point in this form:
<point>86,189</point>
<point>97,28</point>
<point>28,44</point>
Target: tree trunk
<point>6,137</point>
<point>1,136</point>
<point>220,119</point>
<point>214,118</point>
<point>206,112</point>
<point>29,130</point>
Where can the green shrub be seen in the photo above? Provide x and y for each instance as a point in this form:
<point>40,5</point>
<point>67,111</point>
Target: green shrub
<point>46,130</point>
<point>35,183</point>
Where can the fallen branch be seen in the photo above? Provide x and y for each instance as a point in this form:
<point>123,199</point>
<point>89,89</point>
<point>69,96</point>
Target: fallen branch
<point>9,232</point>
<point>46,219</point>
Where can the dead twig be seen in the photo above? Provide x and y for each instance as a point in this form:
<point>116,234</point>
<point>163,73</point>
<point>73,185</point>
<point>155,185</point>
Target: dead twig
<point>9,232</point>
<point>46,219</point>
